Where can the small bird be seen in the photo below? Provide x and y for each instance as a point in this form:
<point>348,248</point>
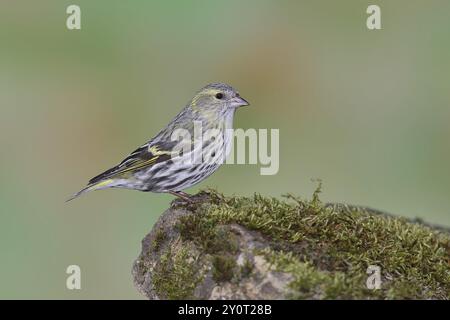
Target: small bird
<point>169,164</point>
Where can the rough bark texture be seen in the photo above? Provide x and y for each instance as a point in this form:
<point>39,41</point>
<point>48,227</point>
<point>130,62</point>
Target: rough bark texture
<point>263,248</point>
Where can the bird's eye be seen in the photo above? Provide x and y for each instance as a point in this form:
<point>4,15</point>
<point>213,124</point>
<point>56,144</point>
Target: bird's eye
<point>219,95</point>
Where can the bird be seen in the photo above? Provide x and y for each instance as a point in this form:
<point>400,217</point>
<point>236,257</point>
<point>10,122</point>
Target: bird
<point>188,150</point>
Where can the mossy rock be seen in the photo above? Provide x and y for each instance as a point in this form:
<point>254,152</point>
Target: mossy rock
<point>265,248</point>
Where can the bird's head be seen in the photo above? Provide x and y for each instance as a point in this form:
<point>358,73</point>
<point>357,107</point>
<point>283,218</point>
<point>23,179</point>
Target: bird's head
<point>217,97</point>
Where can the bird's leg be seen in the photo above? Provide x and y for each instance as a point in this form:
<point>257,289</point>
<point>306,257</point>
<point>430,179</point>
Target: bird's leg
<point>187,195</point>
<point>182,195</point>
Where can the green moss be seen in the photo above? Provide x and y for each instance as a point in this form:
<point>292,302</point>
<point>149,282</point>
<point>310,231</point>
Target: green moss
<point>310,282</point>
<point>176,275</point>
<point>246,269</point>
<point>212,237</point>
<point>216,241</point>
<point>160,237</point>
<point>332,248</point>
<point>223,267</point>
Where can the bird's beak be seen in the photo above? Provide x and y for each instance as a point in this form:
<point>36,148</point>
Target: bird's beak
<point>238,101</point>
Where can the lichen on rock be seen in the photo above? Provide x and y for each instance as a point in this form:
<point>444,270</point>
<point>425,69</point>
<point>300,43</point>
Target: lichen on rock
<point>266,248</point>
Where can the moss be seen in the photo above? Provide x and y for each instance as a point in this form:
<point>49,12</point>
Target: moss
<point>216,241</point>
<point>246,269</point>
<point>223,267</point>
<point>176,275</point>
<point>212,237</point>
<point>332,249</point>
<point>310,282</point>
<point>160,237</point>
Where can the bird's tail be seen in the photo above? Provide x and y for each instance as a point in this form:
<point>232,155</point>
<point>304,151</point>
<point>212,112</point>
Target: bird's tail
<point>91,187</point>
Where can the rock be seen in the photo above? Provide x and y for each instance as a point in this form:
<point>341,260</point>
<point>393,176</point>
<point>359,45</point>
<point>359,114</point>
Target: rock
<point>264,248</point>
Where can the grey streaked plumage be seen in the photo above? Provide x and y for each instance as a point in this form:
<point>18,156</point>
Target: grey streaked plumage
<point>158,167</point>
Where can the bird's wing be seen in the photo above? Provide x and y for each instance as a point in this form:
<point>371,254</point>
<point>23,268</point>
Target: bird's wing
<point>145,156</point>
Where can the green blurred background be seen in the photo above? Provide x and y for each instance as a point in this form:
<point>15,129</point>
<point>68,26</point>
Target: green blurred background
<point>365,111</point>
